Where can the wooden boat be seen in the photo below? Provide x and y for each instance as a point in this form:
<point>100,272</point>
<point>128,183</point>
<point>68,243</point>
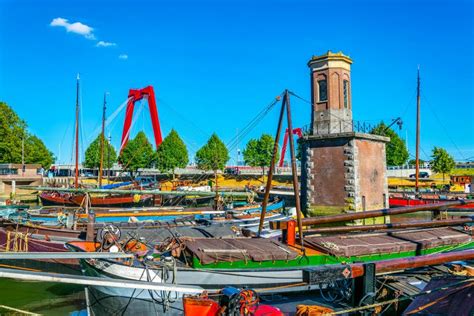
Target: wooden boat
<point>68,199</point>
<point>16,237</point>
<point>30,238</point>
<point>397,200</point>
<point>260,263</point>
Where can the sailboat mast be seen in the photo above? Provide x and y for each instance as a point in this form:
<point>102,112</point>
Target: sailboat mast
<point>102,140</point>
<point>76,177</point>
<point>417,161</point>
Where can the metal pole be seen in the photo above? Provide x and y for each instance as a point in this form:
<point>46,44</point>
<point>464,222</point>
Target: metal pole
<point>23,154</point>
<point>94,281</point>
<point>415,224</point>
<point>414,262</point>
<point>294,170</point>
<point>270,170</point>
<point>102,140</point>
<point>108,160</point>
<point>368,214</point>
<point>76,176</point>
<point>417,161</point>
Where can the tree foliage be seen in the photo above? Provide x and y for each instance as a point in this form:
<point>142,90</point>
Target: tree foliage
<point>213,155</point>
<point>172,153</point>
<point>13,131</point>
<point>396,149</point>
<point>442,161</point>
<point>92,156</point>
<point>36,152</point>
<point>138,153</point>
<point>258,152</point>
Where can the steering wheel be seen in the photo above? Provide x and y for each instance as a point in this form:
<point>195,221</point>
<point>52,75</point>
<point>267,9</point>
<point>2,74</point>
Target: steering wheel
<point>110,229</point>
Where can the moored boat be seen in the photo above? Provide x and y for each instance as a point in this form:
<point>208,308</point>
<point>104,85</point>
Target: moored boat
<point>259,263</point>
<point>68,199</point>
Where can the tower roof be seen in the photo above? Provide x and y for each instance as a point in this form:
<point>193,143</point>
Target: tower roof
<point>330,56</point>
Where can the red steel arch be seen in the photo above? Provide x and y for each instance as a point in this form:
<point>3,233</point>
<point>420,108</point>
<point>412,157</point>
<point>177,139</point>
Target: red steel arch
<point>135,95</point>
<point>296,131</point>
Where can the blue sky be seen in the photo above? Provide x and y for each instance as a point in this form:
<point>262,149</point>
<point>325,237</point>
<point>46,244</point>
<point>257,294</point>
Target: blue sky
<point>215,64</point>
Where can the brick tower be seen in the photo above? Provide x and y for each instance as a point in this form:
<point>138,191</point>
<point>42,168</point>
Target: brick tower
<point>342,170</point>
<point>331,93</point>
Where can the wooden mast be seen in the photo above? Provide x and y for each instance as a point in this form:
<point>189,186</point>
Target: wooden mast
<point>268,187</point>
<point>76,177</point>
<point>285,103</point>
<point>294,170</point>
<point>102,140</point>
<point>417,161</point>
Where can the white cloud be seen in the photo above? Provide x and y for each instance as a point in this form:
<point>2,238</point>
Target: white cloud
<point>123,56</point>
<point>76,27</point>
<point>105,44</point>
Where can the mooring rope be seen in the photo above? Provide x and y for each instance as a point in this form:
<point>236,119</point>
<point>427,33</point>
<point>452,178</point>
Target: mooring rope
<point>17,310</point>
<point>470,282</point>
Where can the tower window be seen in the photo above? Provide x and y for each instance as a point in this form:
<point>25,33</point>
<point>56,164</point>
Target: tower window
<point>346,93</point>
<point>323,90</point>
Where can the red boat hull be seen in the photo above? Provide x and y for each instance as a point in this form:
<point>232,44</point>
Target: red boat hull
<point>399,202</point>
<point>15,241</point>
<point>67,199</point>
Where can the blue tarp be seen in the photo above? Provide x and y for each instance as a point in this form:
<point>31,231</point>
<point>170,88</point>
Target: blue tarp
<point>116,185</point>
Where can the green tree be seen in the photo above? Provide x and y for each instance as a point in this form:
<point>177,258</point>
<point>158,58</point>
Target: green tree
<point>396,149</point>
<point>92,156</point>
<point>258,152</point>
<point>12,128</point>
<point>213,155</point>
<point>36,152</point>
<point>172,154</point>
<point>442,161</point>
<point>13,131</point>
<point>138,153</point>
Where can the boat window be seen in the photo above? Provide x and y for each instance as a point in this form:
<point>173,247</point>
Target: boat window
<point>323,90</point>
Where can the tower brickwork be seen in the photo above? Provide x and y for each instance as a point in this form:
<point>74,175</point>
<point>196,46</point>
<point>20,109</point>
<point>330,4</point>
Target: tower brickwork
<point>331,93</point>
<point>342,170</point>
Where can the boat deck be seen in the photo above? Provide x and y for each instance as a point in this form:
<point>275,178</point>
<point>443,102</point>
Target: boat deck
<point>328,249</point>
<point>236,249</point>
<point>367,244</point>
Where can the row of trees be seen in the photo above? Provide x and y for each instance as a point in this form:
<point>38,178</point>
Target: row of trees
<point>172,154</point>
<point>214,155</point>
<point>397,152</point>
<point>16,141</point>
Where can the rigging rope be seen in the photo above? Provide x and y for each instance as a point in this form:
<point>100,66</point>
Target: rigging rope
<point>134,120</point>
<point>444,128</point>
<point>251,125</point>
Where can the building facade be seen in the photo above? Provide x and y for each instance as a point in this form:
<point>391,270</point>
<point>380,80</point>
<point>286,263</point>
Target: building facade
<point>342,170</point>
